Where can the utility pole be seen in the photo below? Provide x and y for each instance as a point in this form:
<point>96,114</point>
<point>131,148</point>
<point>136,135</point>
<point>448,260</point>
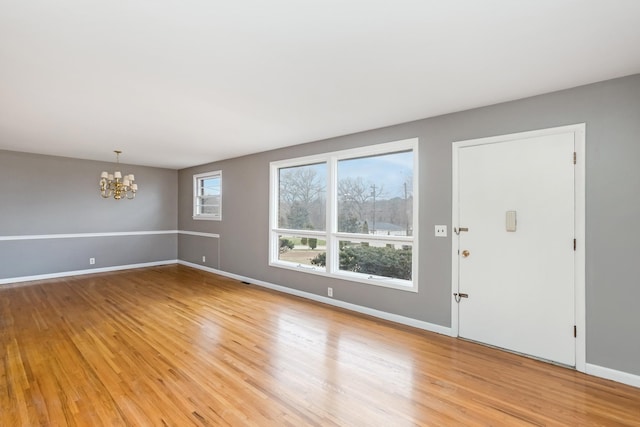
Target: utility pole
<point>406,208</point>
<point>373,194</point>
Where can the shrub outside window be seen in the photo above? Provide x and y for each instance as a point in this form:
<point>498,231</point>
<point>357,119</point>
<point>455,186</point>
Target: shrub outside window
<point>207,196</point>
<point>349,214</point>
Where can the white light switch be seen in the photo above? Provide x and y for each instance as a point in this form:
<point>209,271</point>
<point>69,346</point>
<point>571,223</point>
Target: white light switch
<point>441,231</point>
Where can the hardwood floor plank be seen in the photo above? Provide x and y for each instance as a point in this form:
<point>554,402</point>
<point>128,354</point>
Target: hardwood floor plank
<point>176,346</point>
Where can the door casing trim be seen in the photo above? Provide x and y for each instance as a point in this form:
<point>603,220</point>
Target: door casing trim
<point>579,131</point>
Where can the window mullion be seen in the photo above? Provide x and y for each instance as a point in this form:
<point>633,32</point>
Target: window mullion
<point>332,257</point>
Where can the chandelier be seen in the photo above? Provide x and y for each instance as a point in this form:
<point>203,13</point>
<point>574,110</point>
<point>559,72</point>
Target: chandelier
<point>116,185</point>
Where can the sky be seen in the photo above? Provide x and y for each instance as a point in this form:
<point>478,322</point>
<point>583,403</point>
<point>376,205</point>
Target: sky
<point>389,171</point>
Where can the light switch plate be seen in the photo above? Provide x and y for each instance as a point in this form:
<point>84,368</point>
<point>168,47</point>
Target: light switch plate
<point>441,231</point>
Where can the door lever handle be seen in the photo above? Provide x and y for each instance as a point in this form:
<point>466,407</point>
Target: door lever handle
<point>459,296</point>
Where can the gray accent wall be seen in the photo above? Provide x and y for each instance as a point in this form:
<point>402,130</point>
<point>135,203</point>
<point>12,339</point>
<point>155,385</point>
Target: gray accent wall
<point>611,111</point>
<point>44,195</point>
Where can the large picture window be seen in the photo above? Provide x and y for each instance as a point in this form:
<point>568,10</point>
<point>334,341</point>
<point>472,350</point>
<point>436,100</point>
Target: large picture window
<point>349,214</point>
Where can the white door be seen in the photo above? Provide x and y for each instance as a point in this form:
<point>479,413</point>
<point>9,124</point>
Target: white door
<point>519,281</point>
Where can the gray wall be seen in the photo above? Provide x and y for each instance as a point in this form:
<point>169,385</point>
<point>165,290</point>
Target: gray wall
<point>193,248</point>
<point>55,195</point>
<point>611,111</point>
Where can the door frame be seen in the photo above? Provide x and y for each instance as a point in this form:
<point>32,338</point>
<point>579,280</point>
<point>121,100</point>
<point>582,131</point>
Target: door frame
<point>580,233</point>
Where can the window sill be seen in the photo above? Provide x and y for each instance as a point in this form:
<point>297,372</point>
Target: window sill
<point>207,218</point>
<point>385,282</point>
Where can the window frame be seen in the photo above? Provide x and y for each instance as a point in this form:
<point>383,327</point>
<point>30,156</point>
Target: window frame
<point>197,180</point>
<point>331,234</point>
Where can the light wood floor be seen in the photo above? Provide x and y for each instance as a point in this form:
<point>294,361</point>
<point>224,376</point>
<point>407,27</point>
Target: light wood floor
<point>176,346</point>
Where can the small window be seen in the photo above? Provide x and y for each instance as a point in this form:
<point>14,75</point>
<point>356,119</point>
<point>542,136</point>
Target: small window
<point>207,196</point>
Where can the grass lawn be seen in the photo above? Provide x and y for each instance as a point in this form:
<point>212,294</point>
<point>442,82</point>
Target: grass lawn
<point>300,256</point>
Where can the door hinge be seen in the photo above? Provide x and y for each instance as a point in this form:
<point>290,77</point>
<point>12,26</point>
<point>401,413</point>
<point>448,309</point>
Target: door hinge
<point>574,244</point>
<point>575,331</point>
<point>575,157</point>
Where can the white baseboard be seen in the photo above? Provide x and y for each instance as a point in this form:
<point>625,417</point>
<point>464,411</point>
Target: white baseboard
<point>88,271</point>
<point>612,374</point>
<point>331,301</point>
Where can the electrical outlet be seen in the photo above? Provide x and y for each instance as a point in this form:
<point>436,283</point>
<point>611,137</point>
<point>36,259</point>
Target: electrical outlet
<point>92,261</point>
<point>441,231</point>
<point>330,292</point>
<point>204,258</point>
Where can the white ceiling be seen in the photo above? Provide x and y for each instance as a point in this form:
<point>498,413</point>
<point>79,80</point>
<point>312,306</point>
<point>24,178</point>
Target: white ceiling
<point>176,83</point>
